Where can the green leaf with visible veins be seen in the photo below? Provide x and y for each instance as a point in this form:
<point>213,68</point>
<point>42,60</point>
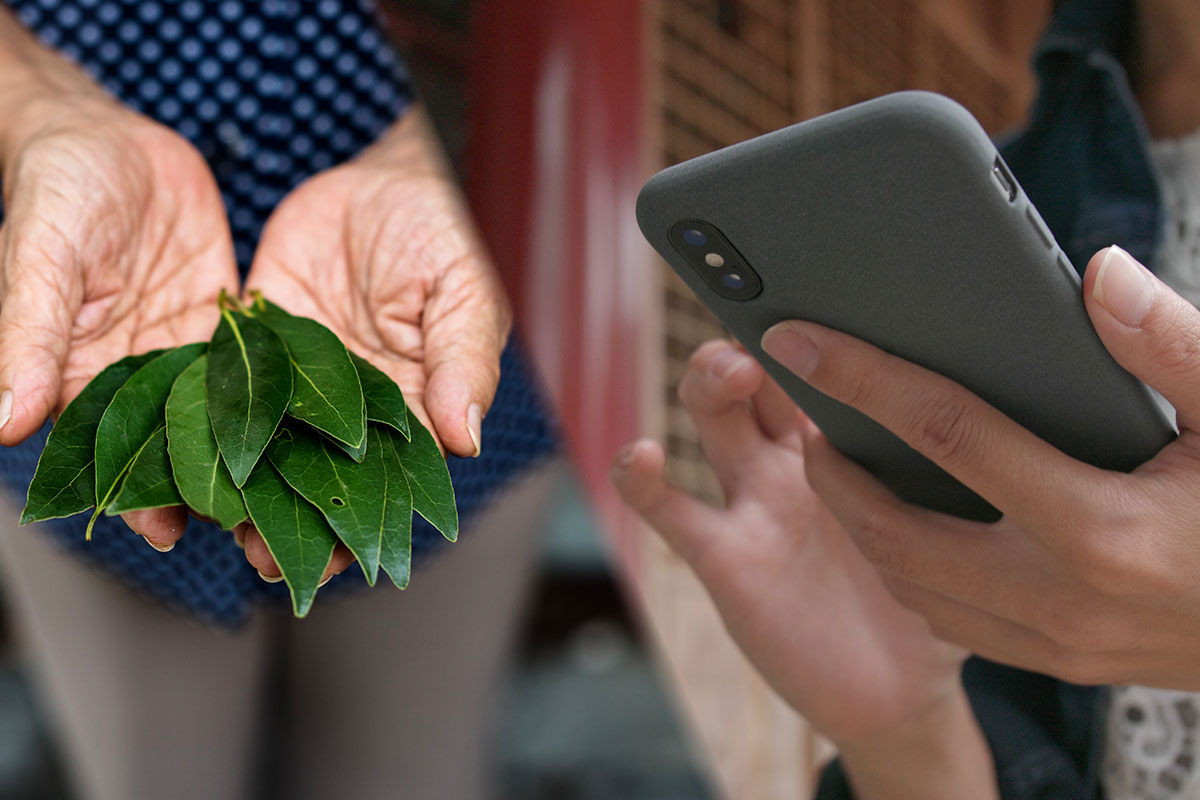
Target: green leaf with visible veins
<point>395,552</point>
<point>203,479</point>
<point>65,480</point>
<point>135,414</point>
<point>249,385</point>
<point>385,401</point>
<point>326,392</point>
<point>299,538</point>
<point>428,477</point>
<point>349,494</point>
<point>149,483</point>
<point>357,453</point>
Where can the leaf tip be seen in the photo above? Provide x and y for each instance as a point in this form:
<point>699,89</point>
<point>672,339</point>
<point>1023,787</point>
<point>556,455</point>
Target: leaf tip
<point>302,604</point>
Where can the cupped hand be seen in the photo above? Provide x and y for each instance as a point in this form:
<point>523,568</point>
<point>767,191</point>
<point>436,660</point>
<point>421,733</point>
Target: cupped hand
<point>1090,575</point>
<point>114,242</point>
<point>805,606</point>
<point>383,251</point>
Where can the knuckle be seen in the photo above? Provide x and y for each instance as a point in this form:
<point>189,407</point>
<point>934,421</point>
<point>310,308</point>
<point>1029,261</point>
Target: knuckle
<point>703,355</point>
<point>877,534</point>
<point>1179,352</point>
<point>1083,669</point>
<point>1081,634</point>
<point>943,430</point>
<point>1115,561</point>
<point>859,387</point>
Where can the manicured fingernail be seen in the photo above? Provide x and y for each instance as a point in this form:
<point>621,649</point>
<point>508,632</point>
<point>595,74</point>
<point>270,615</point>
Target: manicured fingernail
<point>1124,287</point>
<point>726,363</point>
<point>166,549</point>
<point>475,427</point>
<point>269,579</point>
<point>327,580</point>
<point>6,401</point>
<point>791,348</point>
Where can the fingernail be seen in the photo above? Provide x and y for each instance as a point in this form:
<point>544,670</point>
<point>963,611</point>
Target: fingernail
<point>166,549</point>
<point>1124,287</point>
<point>475,427</point>
<point>624,459</point>
<point>269,579</point>
<point>6,401</point>
<point>726,363</point>
<point>327,580</point>
<point>791,348</point>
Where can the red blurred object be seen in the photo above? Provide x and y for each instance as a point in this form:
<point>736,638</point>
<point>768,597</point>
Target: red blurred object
<point>555,162</point>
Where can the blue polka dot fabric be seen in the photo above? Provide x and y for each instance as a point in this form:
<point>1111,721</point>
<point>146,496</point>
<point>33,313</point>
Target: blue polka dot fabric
<point>270,92</point>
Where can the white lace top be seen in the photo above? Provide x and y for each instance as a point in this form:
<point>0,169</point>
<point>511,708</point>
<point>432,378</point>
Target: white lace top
<point>1153,743</point>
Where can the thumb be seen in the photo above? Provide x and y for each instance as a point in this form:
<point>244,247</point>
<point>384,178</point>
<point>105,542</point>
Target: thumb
<point>1148,328</point>
<point>38,302</point>
<point>462,360</point>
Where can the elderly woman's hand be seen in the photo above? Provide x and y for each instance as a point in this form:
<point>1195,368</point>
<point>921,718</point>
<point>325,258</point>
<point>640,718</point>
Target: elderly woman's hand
<point>383,251</point>
<point>114,242</point>
<point>1092,576</point>
<point>796,595</point>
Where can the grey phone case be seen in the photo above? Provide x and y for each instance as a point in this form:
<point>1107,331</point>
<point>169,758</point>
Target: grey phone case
<point>887,220</point>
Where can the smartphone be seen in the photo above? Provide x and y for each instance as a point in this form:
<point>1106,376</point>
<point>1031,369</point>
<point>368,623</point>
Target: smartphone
<point>897,221</point>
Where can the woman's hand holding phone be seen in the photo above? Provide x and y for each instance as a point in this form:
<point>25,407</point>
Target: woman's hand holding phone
<point>800,599</point>
<point>1091,575</point>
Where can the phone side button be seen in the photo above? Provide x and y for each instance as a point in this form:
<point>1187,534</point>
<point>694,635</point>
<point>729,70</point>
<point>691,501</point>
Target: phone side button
<point>1066,267</point>
<point>1035,219</point>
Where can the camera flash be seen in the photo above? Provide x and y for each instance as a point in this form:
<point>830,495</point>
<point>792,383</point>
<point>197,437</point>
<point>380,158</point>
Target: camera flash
<point>714,260</point>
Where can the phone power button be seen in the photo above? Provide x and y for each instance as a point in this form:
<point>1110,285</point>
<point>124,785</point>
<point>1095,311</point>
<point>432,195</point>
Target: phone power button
<point>1035,219</point>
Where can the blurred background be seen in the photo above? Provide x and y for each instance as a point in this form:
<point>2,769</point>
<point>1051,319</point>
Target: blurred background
<point>622,682</point>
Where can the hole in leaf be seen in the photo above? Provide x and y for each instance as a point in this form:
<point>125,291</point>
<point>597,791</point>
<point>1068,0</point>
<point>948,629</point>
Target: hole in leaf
<point>337,501</point>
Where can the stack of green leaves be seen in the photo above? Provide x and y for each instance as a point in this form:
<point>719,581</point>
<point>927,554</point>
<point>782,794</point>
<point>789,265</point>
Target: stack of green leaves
<point>274,421</point>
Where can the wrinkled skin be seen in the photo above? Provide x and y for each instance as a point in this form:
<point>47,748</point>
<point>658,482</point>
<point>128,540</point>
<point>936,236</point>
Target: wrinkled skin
<point>382,251</point>
<point>116,242</point>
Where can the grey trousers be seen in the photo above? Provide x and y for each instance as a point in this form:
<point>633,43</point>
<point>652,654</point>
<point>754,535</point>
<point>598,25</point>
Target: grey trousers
<point>388,693</point>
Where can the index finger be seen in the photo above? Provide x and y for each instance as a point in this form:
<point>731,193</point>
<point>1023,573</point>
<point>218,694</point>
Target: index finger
<point>466,325</point>
<point>1014,470</point>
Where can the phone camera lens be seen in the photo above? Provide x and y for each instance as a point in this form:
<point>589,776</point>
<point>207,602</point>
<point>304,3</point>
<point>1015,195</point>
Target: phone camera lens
<point>734,281</point>
<point>695,238</point>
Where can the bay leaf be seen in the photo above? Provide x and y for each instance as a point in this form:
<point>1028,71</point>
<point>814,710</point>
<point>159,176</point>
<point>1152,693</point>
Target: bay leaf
<point>135,414</point>
<point>428,477</point>
<point>249,385</point>
<point>395,550</point>
<point>200,473</point>
<point>357,453</point>
<point>149,483</point>
<point>299,538</point>
<point>326,392</point>
<point>385,401</point>
<point>65,480</point>
<point>350,495</point>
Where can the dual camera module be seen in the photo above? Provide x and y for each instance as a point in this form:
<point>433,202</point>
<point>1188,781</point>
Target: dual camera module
<point>712,256</point>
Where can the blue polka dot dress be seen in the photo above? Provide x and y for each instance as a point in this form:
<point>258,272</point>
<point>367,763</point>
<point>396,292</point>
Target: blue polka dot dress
<point>270,92</point>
